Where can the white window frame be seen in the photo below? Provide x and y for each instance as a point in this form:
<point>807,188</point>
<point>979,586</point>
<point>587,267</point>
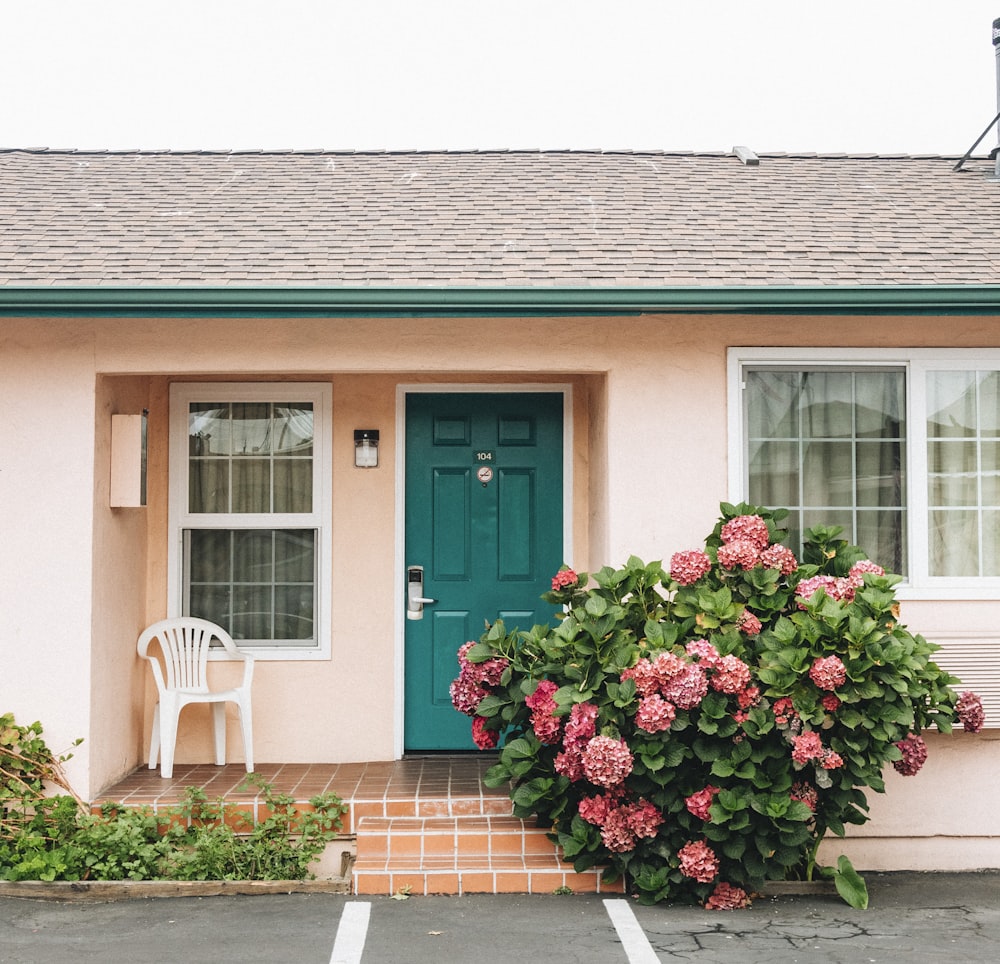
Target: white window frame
<point>182,394</point>
<point>916,363</point>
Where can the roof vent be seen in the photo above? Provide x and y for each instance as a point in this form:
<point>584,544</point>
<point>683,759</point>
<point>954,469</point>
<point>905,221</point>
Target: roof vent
<point>752,160</point>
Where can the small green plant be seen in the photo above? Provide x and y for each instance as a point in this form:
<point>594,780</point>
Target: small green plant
<point>700,730</point>
<point>56,837</point>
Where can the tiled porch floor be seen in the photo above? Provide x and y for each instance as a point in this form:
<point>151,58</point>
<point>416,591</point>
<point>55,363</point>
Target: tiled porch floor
<point>422,786</point>
<point>422,825</point>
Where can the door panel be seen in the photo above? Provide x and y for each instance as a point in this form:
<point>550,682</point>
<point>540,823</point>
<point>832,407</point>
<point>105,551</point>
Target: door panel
<point>484,518</point>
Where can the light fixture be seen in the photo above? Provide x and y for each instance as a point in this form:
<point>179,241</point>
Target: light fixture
<point>366,448</point>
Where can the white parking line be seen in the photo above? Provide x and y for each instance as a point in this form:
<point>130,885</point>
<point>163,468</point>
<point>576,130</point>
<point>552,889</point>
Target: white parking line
<point>634,941</point>
<point>351,933</point>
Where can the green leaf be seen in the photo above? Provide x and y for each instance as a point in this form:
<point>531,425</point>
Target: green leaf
<point>850,885</point>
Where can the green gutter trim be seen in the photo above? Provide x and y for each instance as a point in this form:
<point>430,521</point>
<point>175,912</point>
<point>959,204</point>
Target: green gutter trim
<point>428,301</point>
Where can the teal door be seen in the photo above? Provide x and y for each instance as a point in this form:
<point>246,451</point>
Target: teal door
<point>484,518</point>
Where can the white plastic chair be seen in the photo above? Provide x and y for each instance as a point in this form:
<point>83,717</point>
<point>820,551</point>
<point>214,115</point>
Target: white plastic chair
<point>184,644</point>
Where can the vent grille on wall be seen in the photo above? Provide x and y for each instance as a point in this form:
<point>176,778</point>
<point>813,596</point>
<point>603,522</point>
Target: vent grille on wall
<point>974,657</point>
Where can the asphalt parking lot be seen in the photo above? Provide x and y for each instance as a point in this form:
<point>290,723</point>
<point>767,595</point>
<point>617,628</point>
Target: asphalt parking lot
<point>911,918</point>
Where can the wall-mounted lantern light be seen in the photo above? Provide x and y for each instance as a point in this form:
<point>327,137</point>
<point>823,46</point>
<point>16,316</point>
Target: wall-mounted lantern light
<point>366,448</point>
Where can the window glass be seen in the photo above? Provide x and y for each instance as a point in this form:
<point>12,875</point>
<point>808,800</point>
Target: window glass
<point>247,512</point>
<point>829,445</point>
<point>963,473</point>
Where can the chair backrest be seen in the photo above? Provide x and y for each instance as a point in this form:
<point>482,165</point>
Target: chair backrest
<point>184,643</point>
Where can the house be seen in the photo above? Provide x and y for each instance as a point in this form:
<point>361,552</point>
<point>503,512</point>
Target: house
<point>560,356</point>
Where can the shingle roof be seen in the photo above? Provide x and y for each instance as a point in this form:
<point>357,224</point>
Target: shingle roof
<point>493,218</point>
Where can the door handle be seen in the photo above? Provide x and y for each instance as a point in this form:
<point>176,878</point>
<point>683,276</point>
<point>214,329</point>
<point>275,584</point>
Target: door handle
<point>415,598</point>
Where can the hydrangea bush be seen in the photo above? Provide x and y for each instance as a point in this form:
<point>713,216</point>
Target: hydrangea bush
<point>700,730</point>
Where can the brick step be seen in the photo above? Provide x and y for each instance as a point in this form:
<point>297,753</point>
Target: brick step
<point>476,854</point>
<point>389,806</point>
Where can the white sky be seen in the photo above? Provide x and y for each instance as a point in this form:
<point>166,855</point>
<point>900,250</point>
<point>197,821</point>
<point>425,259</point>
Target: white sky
<point>911,76</point>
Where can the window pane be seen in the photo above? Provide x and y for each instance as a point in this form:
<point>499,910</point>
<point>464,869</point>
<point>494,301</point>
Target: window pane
<point>775,413</point>
<point>259,584</point>
<point>250,457</point>
<point>251,428</point>
<point>251,485</point>
<point>879,473</point>
<point>847,461</point>
<point>292,485</point>
<point>827,404</point>
<point>208,485</point>
<point>991,543</point>
<point>951,404</point>
<point>208,429</point>
<point>989,460</point>
<point>952,476</point>
<point>210,559</point>
<point>954,543</point>
<point>774,473</point>
<point>293,429</point>
<point>828,473</point>
<point>963,472</point>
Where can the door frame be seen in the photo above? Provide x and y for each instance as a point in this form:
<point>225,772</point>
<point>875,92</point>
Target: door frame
<point>398,580</point>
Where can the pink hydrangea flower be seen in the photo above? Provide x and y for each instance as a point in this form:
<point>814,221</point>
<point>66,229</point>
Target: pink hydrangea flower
<point>807,746</point>
<point>569,763</point>
<point>595,809</point>
<point>548,728</point>
<point>831,761</point>
<point>668,665</point>
<point>466,693</point>
<point>542,699</point>
<point>738,555</point>
<point>581,726</point>
<point>655,714</point>
<point>727,897</point>
<point>563,579</point>
<point>837,589</point>
<point>698,861</point>
<point>779,557</point>
<point>830,702</point>
<point>647,682</point>
<point>748,697</point>
<point>616,832</point>
<point>969,708</point>
<point>748,623</point>
<point>828,672</point>
<point>699,803</point>
<point>687,689</point>
<point>688,567</point>
<point>784,711</point>
<point>731,675</point>
<point>644,818</point>
<point>914,751</point>
<point>483,738</point>
<point>746,528</point>
<point>607,761</point>
<point>856,575</point>
<point>703,651</point>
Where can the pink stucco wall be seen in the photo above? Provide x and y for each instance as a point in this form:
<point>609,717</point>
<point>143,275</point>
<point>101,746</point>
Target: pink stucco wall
<point>649,469</point>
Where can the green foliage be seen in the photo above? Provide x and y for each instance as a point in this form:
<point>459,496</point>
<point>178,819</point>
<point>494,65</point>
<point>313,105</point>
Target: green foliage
<point>56,837</point>
<point>722,774</point>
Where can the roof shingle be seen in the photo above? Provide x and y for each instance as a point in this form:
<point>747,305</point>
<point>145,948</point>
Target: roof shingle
<point>503,218</point>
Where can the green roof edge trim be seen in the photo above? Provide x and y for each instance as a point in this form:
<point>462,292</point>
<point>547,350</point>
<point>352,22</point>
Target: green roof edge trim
<point>482,300</point>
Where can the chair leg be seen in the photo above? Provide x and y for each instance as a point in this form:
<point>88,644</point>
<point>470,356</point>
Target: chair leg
<point>154,738</point>
<point>168,737</point>
<point>246,724</point>
<point>219,728</point>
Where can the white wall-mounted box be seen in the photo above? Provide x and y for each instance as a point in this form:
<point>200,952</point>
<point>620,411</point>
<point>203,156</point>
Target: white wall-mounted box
<point>128,461</point>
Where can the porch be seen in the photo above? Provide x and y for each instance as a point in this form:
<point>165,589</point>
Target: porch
<point>422,825</point>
